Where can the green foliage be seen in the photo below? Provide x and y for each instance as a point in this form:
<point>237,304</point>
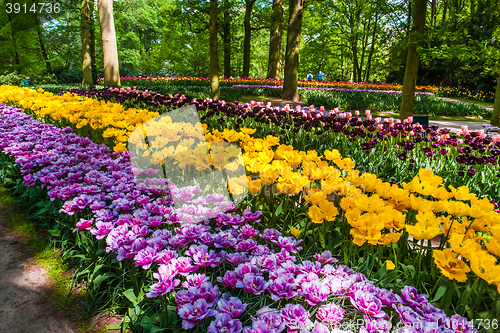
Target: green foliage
<point>12,79</point>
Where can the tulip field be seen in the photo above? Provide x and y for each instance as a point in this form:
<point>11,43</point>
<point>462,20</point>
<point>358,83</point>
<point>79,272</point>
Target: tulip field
<point>194,215</point>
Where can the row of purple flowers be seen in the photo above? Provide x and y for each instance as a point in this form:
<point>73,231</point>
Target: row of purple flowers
<point>138,223</point>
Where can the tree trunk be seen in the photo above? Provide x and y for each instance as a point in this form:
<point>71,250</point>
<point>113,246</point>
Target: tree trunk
<point>296,14</point>
<point>495,117</point>
<point>433,12</point>
<point>372,49</point>
<point>16,55</point>
<point>364,44</point>
<point>226,38</point>
<point>109,49</point>
<point>214,59</point>
<point>92,43</point>
<point>354,49</point>
<point>86,42</point>
<point>443,18</point>
<point>411,71</point>
<point>275,40</point>
<point>248,37</point>
<point>42,45</point>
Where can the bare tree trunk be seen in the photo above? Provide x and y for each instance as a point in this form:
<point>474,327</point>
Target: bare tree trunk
<point>372,49</point>
<point>86,42</point>
<point>248,37</point>
<point>275,40</point>
<point>109,49</point>
<point>226,38</point>
<point>290,84</point>
<point>16,55</point>
<point>364,44</point>
<point>495,117</point>
<point>411,71</point>
<point>214,58</point>
<point>433,12</point>
<point>92,42</point>
<point>443,18</point>
<point>42,45</point>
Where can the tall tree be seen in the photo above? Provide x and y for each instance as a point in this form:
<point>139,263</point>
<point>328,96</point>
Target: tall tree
<point>86,42</point>
<point>248,37</point>
<point>411,70</point>
<point>42,44</point>
<point>226,37</point>
<point>273,69</point>
<point>109,49</point>
<point>214,58</point>
<point>296,14</point>
<point>495,117</point>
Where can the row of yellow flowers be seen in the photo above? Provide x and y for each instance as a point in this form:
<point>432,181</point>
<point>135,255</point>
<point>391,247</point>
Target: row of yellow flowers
<point>378,212</point>
<point>112,119</point>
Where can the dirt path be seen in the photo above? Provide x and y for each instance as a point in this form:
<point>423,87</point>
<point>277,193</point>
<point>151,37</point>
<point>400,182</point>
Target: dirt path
<point>26,304</point>
<point>457,101</point>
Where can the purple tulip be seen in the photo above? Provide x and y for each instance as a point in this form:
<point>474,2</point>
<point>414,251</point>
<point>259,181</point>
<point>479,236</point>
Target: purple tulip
<point>296,318</point>
<point>194,313</point>
<point>367,303</point>
<point>330,314</point>
<point>224,323</point>
<point>231,305</point>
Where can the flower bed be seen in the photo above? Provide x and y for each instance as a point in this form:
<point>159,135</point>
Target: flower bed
<point>480,96</point>
<point>277,284</point>
<point>192,81</point>
<point>460,158</point>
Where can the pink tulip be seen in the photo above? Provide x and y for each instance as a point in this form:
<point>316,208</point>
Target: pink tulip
<point>269,104</point>
<point>405,121</point>
<point>411,133</point>
<point>460,141</point>
<point>380,126</point>
<point>464,127</point>
<point>367,112</point>
<point>482,134</point>
<point>349,115</point>
<point>342,115</point>
<point>378,120</point>
<point>252,103</point>
<point>369,117</point>
<point>391,120</point>
<point>356,112</point>
<point>398,121</point>
<point>410,119</point>
<point>322,108</point>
